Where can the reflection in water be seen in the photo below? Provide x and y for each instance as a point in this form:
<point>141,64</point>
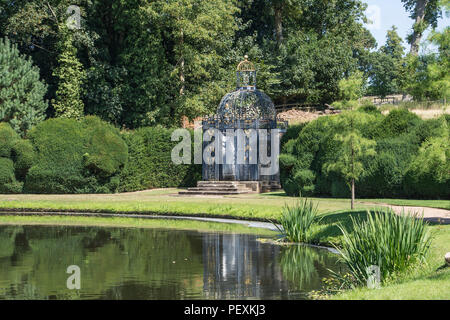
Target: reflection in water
<point>131,263</point>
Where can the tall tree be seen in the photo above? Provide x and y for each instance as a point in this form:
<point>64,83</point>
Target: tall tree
<point>386,66</point>
<point>201,34</point>
<point>425,13</point>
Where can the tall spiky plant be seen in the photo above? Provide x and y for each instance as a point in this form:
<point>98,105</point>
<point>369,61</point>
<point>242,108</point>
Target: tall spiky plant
<point>297,221</point>
<point>387,240</point>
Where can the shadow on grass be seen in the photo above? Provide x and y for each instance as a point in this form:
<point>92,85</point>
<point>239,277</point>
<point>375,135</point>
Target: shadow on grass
<point>328,226</point>
<point>274,194</point>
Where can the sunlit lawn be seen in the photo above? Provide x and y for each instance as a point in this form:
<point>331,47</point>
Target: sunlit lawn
<point>167,201</point>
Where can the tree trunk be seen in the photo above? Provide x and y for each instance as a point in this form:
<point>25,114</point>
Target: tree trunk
<point>279,24</point>
<point>182,80</point>
<point>417,30</point>
<point>353,194</point>
<point>353,170</point>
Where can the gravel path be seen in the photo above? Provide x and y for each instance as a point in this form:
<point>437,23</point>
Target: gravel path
<point>429,214</point>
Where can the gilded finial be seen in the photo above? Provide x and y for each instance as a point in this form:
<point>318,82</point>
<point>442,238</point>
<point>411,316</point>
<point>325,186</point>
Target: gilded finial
<point>245,65</point>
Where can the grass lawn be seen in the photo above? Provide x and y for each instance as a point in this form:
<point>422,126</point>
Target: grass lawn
<point>167,201</point>
<point>124,222</point>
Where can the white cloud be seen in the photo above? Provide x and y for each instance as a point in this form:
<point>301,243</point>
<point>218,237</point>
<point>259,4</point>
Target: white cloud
<point>373,13</point>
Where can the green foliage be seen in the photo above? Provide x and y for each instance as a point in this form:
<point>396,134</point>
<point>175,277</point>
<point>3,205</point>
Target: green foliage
<point>387,240</point>
<point>198,72</point>
<point>7,138</point>
<point>309,163</point>
<point>297,222</point>
<point>150,164</point>
<point>424,14</point>
<point>8,182</point>
<point>352,148</point>
<point>397,122</point>
<point>352,87</point>
<point>429,173</point>
<point>76,157</point>
<point>22,93</point>
<point>427,76</point>
<point>23,156</point>
<point>16,157</point>
<point>385,72</point>
<point>368,107</point>
<point>70,75</point>
<point>151,62</point>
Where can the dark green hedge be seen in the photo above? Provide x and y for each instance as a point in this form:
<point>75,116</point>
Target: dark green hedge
<point>76,157</point>
<point>89,156</point>
<point>150,164</point>
<point>412,157</point>
<point>16,157</point>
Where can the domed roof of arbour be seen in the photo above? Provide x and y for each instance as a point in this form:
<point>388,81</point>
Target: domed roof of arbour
<point>246,102</point>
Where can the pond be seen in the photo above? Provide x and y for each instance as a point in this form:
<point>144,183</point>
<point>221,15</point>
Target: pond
<point>154,263</point>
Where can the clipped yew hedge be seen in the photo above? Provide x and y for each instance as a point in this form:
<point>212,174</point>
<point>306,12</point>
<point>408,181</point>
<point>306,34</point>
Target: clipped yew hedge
<point>16,157</point>
<point>73,156</point>
<point>150,164</point>
<point>412,158</point>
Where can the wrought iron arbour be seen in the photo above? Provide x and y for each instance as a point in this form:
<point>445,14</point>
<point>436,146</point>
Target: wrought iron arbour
<point>245,108</point>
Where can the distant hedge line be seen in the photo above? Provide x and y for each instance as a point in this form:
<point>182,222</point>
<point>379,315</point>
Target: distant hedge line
<point>89,156</point>
<point>412,157</point>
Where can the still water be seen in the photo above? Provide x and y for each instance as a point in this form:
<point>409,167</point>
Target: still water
<point>133,263</point>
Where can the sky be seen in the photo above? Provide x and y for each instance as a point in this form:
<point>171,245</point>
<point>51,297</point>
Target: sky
<point>386,13</point>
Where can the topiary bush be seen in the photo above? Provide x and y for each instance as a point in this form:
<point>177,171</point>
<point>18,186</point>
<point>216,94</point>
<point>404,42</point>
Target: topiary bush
<point>429,173</point>
<point>84,156</point>
<point>8,182</point>
<point>150,164</point>
<point>397,122</point>
<point>16,157</point>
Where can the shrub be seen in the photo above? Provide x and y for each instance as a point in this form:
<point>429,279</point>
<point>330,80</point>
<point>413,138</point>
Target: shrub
<point>389,173</point>
<point>397,122</point>
<point>386,172</point>
<point>8,182</point>
<point>345,105</point>
<point>429,173</point>
<point>22,154</point>
<point>391,242</point>
<point>297,221</point>
<point>76,157</point>
<point>368,107</point>
<point>292,133</point>
<point>7,139</point>
<point>17,157</point>
<point>150,164</point>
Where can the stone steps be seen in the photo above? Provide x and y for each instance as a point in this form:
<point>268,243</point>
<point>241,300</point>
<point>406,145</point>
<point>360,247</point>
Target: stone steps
<point>217,188</point>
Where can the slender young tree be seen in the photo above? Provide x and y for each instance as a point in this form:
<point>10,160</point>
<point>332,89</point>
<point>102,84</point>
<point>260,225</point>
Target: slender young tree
<point>352,149</point>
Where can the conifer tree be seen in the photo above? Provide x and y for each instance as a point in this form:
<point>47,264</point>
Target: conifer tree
<point>70,75</point>
<point>22,102</point>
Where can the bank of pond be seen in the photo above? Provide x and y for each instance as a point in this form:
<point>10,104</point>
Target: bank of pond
<point>129,258</point>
